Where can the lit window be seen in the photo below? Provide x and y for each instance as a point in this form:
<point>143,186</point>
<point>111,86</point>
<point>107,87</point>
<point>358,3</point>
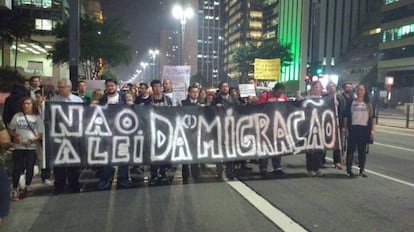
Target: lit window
<point>43,24</point>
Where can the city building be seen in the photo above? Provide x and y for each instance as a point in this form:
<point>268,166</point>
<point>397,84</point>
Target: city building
<point>242,24</point>
<point>396,50</point>
<point>209,40</point>
<point>270,19</point>
<point>31,55</point>
<point>320,32</point>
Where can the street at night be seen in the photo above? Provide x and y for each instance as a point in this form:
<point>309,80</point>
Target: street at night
<point>294,202</point>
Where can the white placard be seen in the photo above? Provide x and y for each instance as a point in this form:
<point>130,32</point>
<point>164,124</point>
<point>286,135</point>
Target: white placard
<point>247,90</point>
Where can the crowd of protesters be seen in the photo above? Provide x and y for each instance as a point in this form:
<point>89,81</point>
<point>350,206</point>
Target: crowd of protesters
<point>22,117</point>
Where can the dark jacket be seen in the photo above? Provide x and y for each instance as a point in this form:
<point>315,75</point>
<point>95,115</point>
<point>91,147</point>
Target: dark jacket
<point>367,131</point>
<point>230,101</point>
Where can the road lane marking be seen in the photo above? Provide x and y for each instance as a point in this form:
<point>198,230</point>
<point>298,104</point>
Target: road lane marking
<point>389,178</point>
<point>280,219</point>
<point>383,176</point>
<point>395,147</point>
<point>396,133</point>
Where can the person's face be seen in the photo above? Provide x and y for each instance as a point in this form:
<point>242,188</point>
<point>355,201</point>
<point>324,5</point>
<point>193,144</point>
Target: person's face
<point>233,92</point>
<point>63,89</point>
<point>251,82</point>
<point>111,88</point>
<point>224,89</point>
<point>39,98</point>
<point>360,91</point>
<point>35,83</point>
<point>347,89</point>
<point>279,92</point>
<point>203,94</point>
<point>194,92</point>
<point>156,89</point>
<point>317,89</point>
<point>82,87</point>
<point>27,85</point>
<point>28,106</point>
<point>129,97</point>
<point>142,90</point>
<point>330,88</point>
<point>167,86</point>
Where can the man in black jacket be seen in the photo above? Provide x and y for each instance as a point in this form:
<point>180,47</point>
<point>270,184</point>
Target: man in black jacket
<point>113,96</point>
<point>192,100</point>
<point>224,99</point>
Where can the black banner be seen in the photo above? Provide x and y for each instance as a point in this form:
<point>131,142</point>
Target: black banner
<point>94,135</point>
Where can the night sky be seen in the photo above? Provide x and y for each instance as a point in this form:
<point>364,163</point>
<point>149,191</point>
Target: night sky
<point>144,19</point>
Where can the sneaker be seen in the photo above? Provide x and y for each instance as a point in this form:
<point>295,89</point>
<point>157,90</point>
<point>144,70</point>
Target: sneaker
<point>338,166</point>
<point>15,196</point>
<point>47,182</point>
<point>311,173</point>
<point>279,172</point>
<point>319,173</point>
<point>351,174</point>
<point>363,173</point>
<point>102,185</point>
<point>153,180</point>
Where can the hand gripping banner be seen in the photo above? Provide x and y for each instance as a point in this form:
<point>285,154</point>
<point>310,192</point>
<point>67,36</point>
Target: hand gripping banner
<point>94,135</point>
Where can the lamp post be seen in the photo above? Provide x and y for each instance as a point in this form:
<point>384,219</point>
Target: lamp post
<point>144,66</point>
<point>153,54</point>
<point>182,14</point>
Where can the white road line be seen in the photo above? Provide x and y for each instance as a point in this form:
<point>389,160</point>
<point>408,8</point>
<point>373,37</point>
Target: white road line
<point>383,176</point>
<point>405,133</point>
<point>390,178</point>
<point>280,219</point>
<point>395,147</point>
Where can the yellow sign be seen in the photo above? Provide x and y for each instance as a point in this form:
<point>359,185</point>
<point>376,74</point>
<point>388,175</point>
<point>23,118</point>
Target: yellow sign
<point>267,69</point>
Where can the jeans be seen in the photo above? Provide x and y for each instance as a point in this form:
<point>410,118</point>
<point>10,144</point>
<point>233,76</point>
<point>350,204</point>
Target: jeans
<point>357,141</point>
<point>23,160</point>
<point>313,160</point>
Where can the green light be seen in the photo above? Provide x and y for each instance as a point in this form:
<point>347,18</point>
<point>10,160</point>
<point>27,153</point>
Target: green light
<point>319,71</point>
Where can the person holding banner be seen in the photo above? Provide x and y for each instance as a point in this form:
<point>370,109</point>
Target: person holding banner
<point>113,96</point>
<point>224,99</point>
<point>158,98</point>
<point>277,95</point>
<point>62,173</point>
<point>192,100</point>
<point>359,127</point>
<point>314,157</point>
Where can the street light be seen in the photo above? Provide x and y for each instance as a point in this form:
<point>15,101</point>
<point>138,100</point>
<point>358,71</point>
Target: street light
<point>144,66</point>
<point>153,54</point>
<point>182,14</point>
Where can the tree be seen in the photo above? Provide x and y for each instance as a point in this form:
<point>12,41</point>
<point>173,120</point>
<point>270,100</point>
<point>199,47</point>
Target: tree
<point>101,44</point>
<point>15,26</point>
<point>244,55</point>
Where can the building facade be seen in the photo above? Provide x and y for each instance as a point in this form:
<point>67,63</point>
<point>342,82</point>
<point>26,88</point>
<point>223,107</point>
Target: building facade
<point>320,32</point>
<point>242,24</point>
<point>209,40</point>
<point>396,54</point>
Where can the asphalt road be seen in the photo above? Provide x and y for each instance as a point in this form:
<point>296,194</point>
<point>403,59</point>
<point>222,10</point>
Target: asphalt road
<point>382,202</point>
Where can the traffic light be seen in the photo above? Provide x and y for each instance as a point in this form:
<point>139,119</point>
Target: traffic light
<point>319,69</point>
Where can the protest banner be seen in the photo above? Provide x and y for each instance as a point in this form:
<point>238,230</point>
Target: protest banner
<point>87,135</point>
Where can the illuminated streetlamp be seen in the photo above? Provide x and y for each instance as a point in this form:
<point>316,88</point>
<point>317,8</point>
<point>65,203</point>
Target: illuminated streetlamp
<point>154,54</point>
<point>144,66</point>
<point>182,14</point>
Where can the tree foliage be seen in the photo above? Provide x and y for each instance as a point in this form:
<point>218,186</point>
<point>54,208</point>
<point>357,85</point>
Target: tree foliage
<point>244,55</point>
<point>101,44</point>
<point>15,26</point>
